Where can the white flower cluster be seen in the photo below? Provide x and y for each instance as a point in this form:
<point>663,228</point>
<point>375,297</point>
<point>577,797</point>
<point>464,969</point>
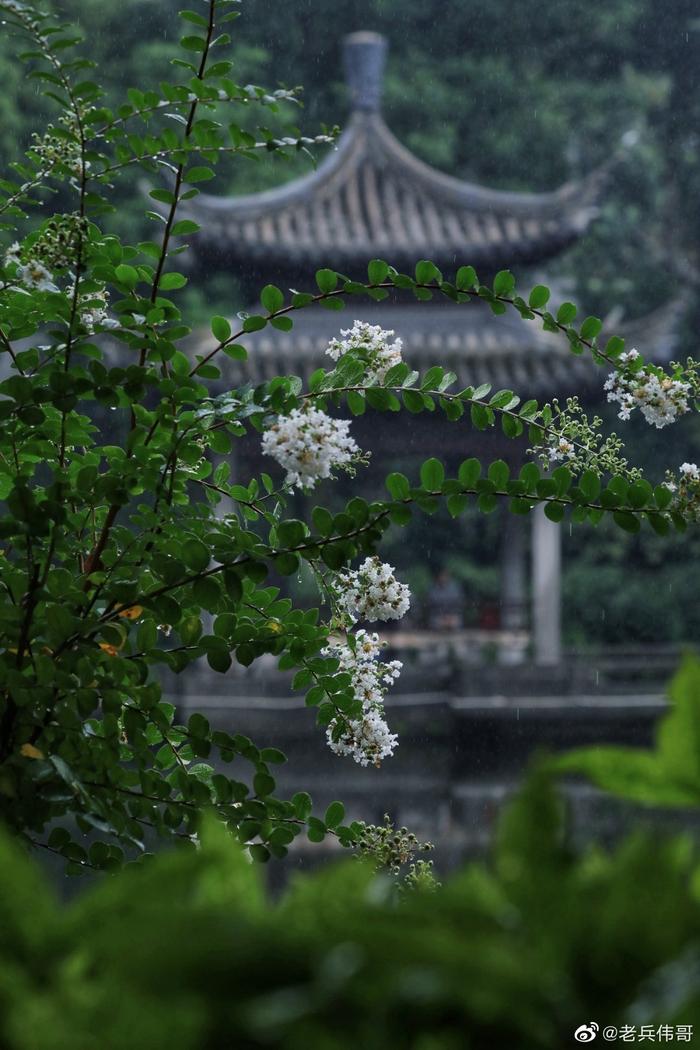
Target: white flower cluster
<point>12,255</point>
<point>366,739</point>
<point>35,275</point>
<point>660,398</point>
<point>559,447</point>
<point>93,311</point>
<point>52,251</point>
<point>686,490</point>
<point>575,438</point>
<point>372,344</point>
<point>32,274</point>
<point>309,444</point>
<point>372,592</point>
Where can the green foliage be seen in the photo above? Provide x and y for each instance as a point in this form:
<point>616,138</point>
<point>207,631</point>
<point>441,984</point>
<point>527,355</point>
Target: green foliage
<point>668,775</point>
<point>516,952</point>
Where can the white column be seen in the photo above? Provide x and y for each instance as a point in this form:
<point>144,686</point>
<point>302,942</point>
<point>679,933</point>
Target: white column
<point>546,588</point>
<point>513,581</point>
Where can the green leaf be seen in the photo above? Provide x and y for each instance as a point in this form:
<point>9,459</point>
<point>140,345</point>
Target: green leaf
<point>273,755</point>
<point>221,329</point>
<point>323,520</point>
<point>487,502</point>
<point>219,660</point>
<point>334,555</point>
<point>457,504</point>
<point>659,524</point>
<point>563,477</point>
<point>554,511</point>
<point>432,474</point>
<point>466,277</point>
<point>433,377</point>
<point>627,521</point>
<point>614,346</point>
<point>530,475</point>
<point>316,829</point>
<point>291,533</point>
<point>327,280</point>
<point>539,296</point>
<point>503,399</point>
<point>499,473</point>
<point>263,784</point>
<point>503,283</point>
<point>639,494</point>
<point>302,804</point>
<point>413,400</point>
<point>185,227</point>
<point>469,472</point>
<point>192,43</point>
<point>192,16</point>
<point>589,484</point>
<point>663,496</point>
<point>259,853</point>
<point>287,564</point>
<point>198,726</point>
<point>334,815</point>
<point>198,174</point>
<point>398,486</point>
<point>590,328</point>
<point>236,352</point>
<point>206,593</point>
<point>272,298</point>
<point>254,323</point>
<point>479,416</point>
<point>127,275</point>
<point>380,399</point>
<point>195,555</point>
<point>147,635</point>
<point>356,402</point>
<point>170,281</point>
<point>566,313</point>
<point>377,271</point>
<point>427,272</point>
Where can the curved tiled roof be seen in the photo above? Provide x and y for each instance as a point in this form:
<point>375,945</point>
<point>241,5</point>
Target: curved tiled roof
<point>372,197</point>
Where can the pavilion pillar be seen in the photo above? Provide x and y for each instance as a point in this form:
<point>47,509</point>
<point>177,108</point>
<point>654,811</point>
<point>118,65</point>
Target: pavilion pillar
<point>513,582</point>
<point>546,588</point>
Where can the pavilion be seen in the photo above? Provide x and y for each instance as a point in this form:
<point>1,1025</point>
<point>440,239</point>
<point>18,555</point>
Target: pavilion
<point>372,198</point>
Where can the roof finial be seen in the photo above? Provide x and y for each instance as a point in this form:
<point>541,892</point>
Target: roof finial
<point>363,55</point>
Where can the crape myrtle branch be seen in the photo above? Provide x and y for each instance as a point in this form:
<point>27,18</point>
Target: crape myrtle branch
<point>466,287</point>
<point>36,25</point>
<point>152,150</point>
<point>162,155</point>
<point>170,218</point>
<point>315,544</point>
<point>244,95</point>
<point>487,493</point>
